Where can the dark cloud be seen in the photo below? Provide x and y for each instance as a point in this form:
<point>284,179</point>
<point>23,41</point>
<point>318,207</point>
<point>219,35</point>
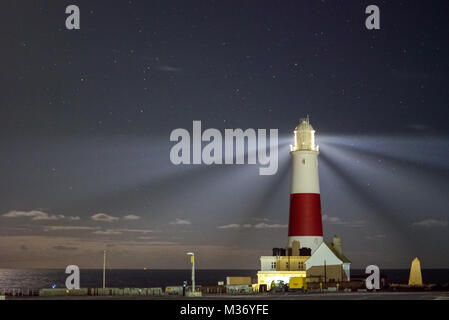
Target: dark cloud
<point>65,248</point>
<point>168,68</point>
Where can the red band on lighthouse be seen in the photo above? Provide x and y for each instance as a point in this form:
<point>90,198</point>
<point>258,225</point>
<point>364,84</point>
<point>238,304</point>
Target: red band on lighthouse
<point>305,215</point>
<point>305,225</point>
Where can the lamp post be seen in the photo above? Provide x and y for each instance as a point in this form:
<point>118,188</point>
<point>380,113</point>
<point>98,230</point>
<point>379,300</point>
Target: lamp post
<point>192,261</point>
<point>104,269</point>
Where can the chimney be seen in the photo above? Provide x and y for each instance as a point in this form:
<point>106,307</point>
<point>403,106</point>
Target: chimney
<point>336,243</point>
<point>295,248</point>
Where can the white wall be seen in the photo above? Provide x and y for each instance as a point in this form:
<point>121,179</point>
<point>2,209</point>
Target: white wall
<point>323,253</point>
<point>305,172</point>
<point>265,263</point>
<point>347,270</point>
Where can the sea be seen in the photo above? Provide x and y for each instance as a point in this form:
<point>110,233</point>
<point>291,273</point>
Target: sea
<point>118,278</point>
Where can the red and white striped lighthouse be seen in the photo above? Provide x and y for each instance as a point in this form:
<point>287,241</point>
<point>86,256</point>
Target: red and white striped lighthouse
<point>305,223</point>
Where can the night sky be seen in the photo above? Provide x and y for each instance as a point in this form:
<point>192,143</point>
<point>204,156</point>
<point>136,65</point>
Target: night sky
<point>86,116</point>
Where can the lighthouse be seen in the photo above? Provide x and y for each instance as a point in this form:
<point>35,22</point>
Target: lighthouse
<point>305,223</point>
<point>306,256</point>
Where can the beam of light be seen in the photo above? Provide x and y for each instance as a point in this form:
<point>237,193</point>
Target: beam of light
<point>407,175</point>
<point>358,177</point>
<point>139,169</point>
<point>397,181</point>
<point>431,151</point>
<point>223,192</point>
<point>357,191</point>
<point>262,204</point>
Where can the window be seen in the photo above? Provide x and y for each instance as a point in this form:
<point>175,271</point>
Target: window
<point>301,265</point>
<point>273,265</point>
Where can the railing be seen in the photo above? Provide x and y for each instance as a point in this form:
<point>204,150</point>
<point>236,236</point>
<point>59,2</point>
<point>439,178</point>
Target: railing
<point>19,292</point>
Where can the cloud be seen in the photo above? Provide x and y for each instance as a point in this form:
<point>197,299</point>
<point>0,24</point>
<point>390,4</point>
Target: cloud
<point>121,231</point>
<point>97,230</point>
<point>67,228</point>
<point>333,220</point>
<point>147,238</point>
<point>260,219</point>
<point>37,215</point>
<point>108,232</point>
<point>264,225</point>
<point>260,225</point>
<point>144,231</point>
<point>15,228</point>
<point>108,218</point>
<point>430,223</point>
<point>131,217</point>
<point>180,222</point>
<point>160,243</point>
<point>230,226</point>
<point>168,68</point>
<point>103,217</point>
<point>376,237</point>
<point>65,248</point>
<point>338,221</point>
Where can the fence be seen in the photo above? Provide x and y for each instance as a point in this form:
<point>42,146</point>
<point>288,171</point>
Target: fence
<point>19,292</point>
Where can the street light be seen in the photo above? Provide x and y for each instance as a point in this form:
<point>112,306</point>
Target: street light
<point>192,261</point>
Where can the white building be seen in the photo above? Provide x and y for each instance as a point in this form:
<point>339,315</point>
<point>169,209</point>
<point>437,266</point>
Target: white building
<point>327,255</point>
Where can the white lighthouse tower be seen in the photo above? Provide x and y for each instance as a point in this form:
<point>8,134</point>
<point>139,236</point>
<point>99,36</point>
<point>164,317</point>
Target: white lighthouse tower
<point>305,223</point>
<point>306,255</point>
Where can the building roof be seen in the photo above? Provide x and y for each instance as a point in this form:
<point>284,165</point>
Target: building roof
<point>342,257</point>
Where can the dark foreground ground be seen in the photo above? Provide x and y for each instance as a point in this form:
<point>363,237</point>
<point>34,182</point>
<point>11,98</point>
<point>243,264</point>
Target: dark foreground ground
<point>288,296</point>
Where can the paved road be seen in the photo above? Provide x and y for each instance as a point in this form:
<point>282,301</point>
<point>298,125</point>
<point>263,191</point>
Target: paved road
<point>287,296</point>
<point>349,296</point>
